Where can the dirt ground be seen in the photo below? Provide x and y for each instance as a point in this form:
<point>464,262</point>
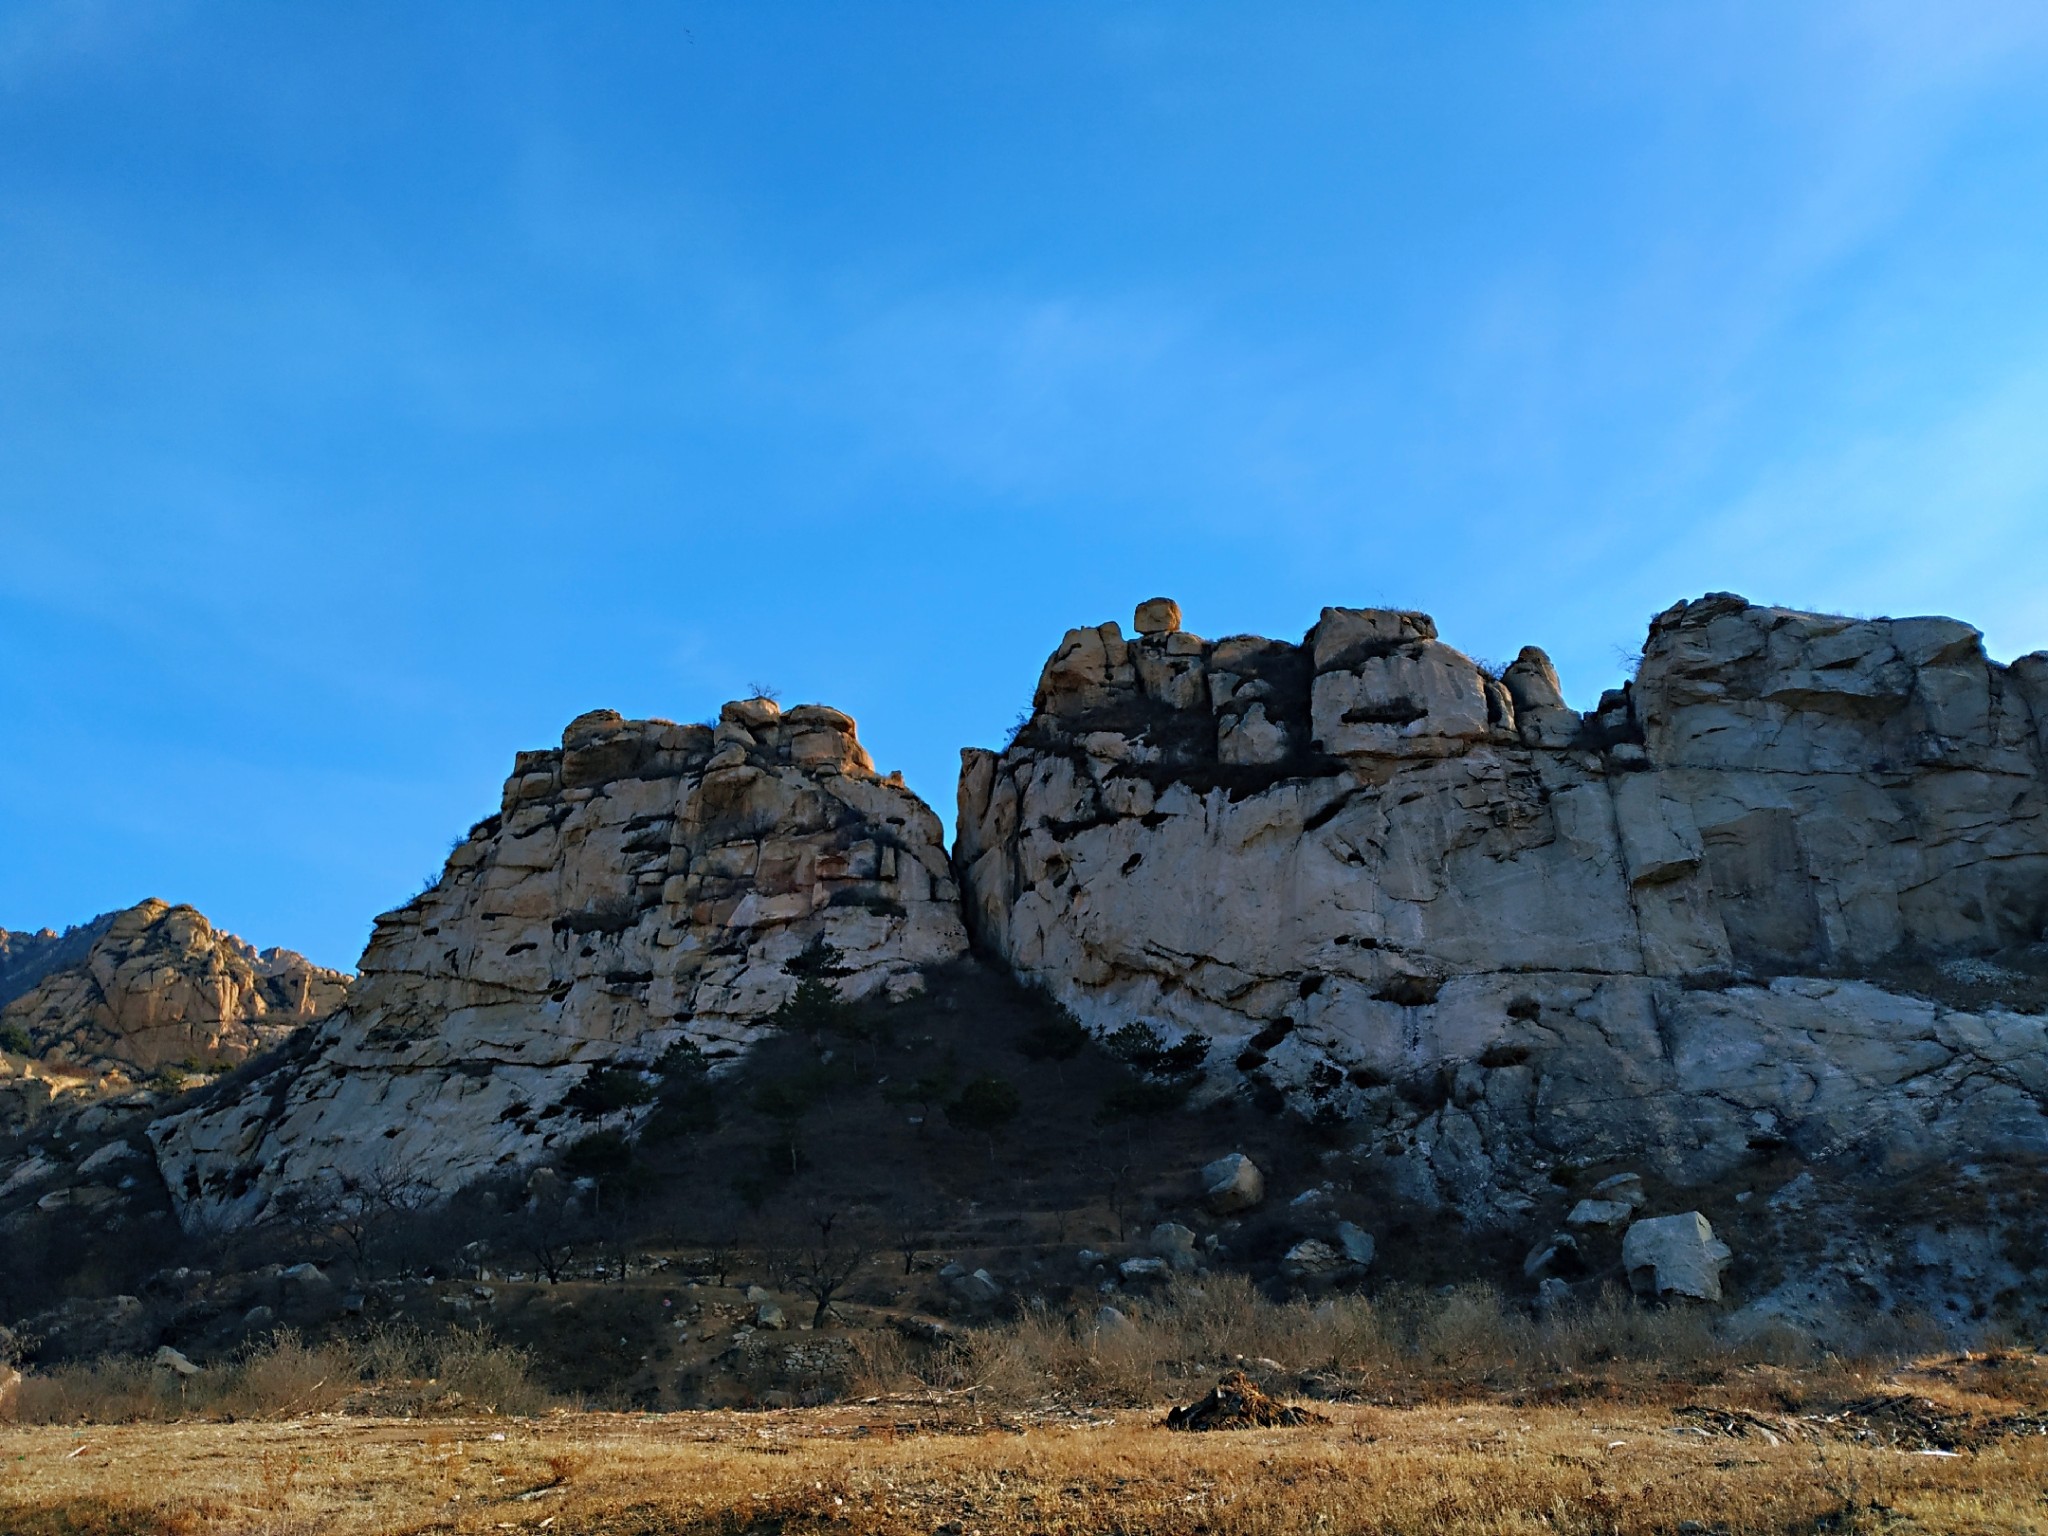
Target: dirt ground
<point>1937,1449</point>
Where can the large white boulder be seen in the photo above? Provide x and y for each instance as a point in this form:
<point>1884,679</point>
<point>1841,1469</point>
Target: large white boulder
<point>1674,1256</point>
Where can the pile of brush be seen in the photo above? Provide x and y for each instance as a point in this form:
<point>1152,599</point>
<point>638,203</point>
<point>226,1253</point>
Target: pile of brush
<point>1236,1402</point>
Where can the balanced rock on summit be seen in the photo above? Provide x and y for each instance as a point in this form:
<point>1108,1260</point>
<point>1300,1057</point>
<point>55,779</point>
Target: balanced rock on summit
<point>640,885</point>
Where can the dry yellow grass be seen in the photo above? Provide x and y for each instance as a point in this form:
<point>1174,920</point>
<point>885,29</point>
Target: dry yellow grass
<point>927,1465</point>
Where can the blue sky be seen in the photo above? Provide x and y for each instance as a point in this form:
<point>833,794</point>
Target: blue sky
<point>383,385</point>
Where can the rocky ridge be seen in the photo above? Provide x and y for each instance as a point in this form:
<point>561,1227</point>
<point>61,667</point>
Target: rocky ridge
<point>643,884</point>
<point>157,990</point>
<point>27,956</point>
<point>1491,937</point>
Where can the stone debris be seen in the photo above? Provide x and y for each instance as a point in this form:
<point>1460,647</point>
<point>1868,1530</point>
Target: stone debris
<point>1236,1402</point>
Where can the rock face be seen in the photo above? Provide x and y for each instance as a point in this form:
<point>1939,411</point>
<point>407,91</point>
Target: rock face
<point>157,989</point>
<point>1493,934</point>
<point>641,885</point>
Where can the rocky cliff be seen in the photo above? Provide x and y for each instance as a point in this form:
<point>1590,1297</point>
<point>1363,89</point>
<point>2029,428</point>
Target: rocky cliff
<point>1757,898</point>
<point>642,884</point>
<point>158,989</point>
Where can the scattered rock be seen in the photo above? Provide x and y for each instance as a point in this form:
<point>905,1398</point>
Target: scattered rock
<point>1355,1244</point>
<point>1600,1213</point>
<point>1624,1187</point>
<point>1312,1259</point>
<point>1176,1244</point>
<point>169,1359</point>
<point>1559,1250</point>
<point>1674,1256</point>
<point>1236,1402</point>
<point>1232,1184</point>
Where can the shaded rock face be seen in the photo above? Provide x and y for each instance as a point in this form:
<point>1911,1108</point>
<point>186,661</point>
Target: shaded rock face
<point>640,885</point>
<point>1491,933</point>
<point>158,987</point>
<point>26,957</point>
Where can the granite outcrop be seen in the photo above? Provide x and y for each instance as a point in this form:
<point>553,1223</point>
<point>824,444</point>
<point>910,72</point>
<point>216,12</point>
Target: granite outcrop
<point>157,995</point>
<point>642,885</point>
<point>1783,888</point>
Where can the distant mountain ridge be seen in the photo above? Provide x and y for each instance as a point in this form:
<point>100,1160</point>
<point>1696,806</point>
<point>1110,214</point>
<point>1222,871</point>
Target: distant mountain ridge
<point>150,991</point>
<point>27,956</point>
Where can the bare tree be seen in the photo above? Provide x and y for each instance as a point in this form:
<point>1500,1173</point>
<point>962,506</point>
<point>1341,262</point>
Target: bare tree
<point>830,1251</point>
<point>366,1208</point>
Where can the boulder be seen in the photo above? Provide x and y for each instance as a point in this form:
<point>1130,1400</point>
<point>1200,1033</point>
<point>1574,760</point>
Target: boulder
<point>1558,1251</point>
<point>1141,1270</point>
<point>1232,1184</point>
<point>1355,1244</point>
<point>171,1361</point>
<point>1674,1256</point>
<point>1600,1213</point>
<point>1109,1320</point>
<point>1312,1259</point>
<point>1157,616</point>
<point>1176,1244</point>
<point>1624,1187</point>
<point>978,1288</point>
<point>769,1315</point>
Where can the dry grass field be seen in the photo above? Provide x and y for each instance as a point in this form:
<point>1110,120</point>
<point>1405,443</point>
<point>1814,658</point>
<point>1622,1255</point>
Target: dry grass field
<point>1951,1446</point>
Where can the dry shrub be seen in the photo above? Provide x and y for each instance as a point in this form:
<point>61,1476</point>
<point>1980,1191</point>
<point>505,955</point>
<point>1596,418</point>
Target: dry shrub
<point>282,1375</point>
<point>111,1390</point>
<point>491,1377</point>
<point>1415,1343</point>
